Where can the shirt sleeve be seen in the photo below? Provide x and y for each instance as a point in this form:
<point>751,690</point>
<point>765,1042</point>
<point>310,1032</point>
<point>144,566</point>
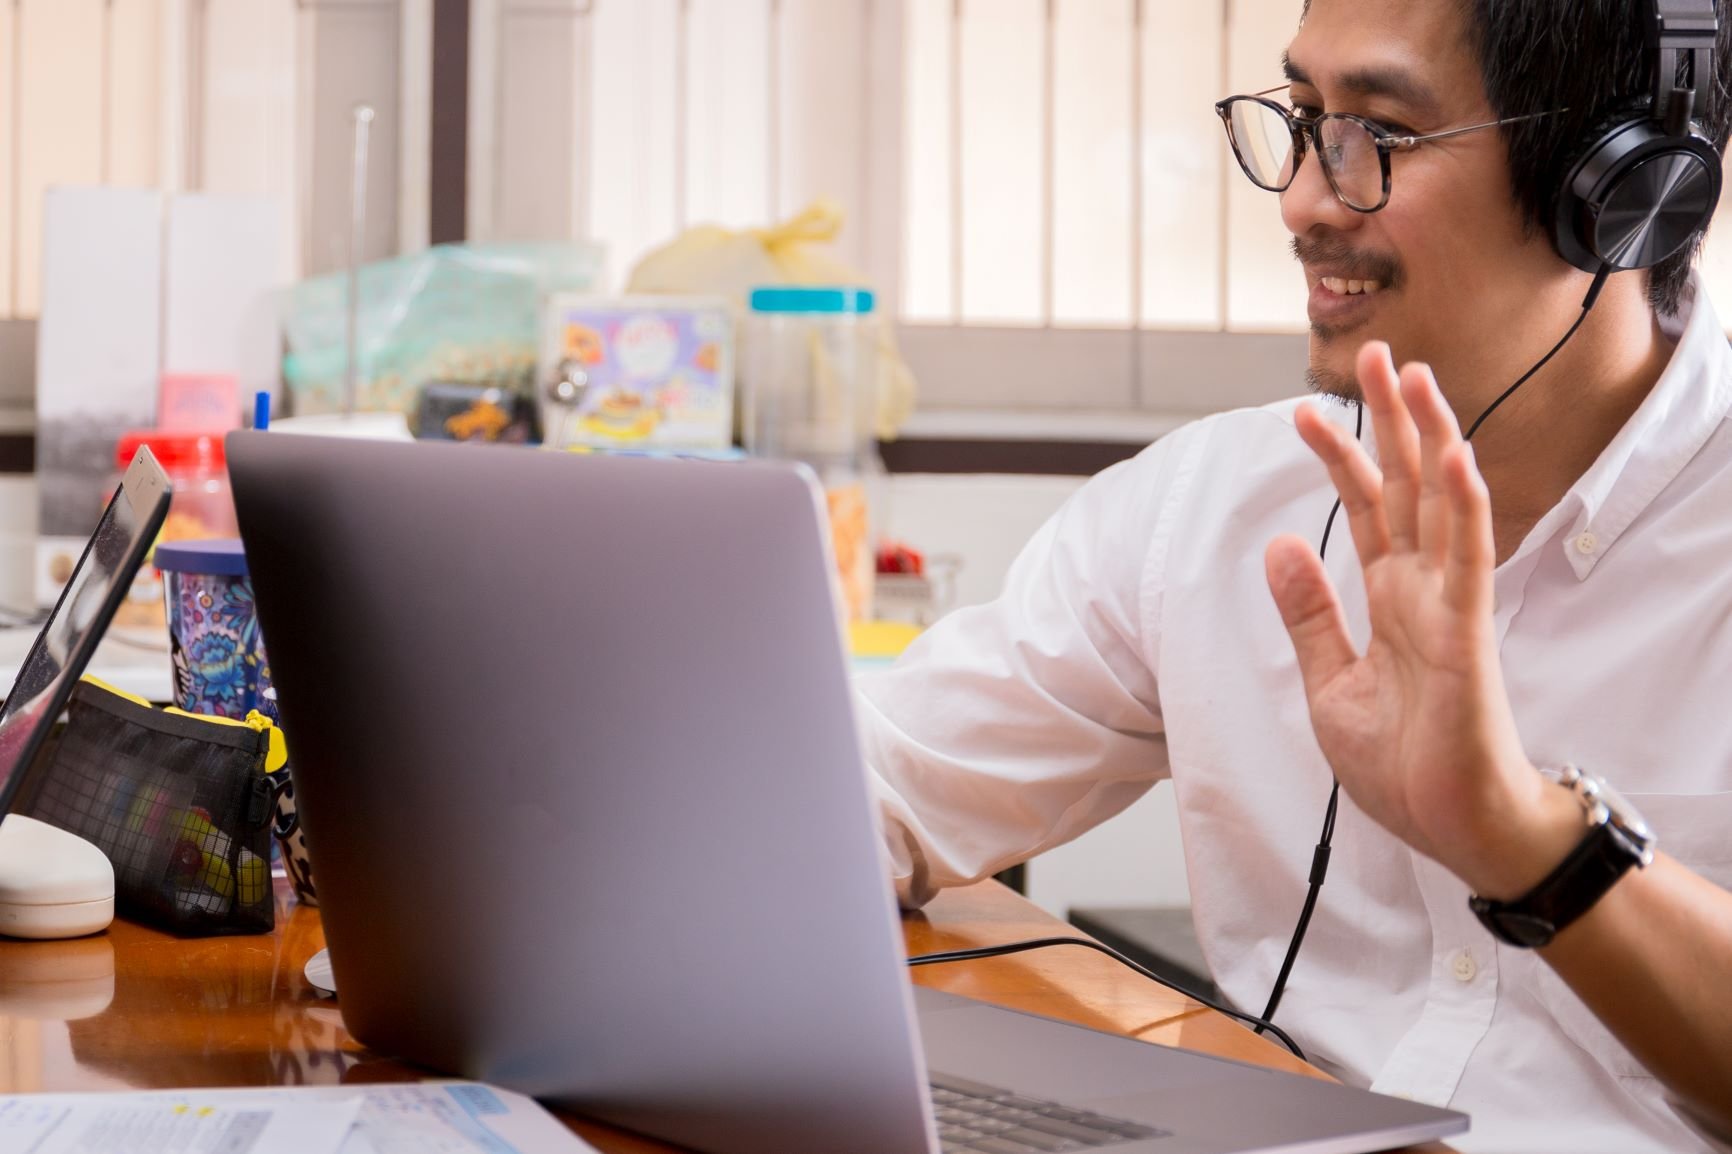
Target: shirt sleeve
<point>1014,726</point>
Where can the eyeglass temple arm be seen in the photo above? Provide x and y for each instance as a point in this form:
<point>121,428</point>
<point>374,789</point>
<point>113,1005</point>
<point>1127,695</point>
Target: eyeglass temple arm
<point>1398,143</point>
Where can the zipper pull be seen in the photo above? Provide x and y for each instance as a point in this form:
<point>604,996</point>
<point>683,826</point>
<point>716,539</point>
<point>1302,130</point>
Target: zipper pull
<point>277,755</point>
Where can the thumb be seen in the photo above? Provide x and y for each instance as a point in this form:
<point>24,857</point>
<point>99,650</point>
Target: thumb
<point>1310,610</point>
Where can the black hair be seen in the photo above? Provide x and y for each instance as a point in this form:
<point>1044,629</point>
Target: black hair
<point>1590,57</point>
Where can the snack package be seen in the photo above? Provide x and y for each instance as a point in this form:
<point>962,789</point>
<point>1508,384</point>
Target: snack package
<point>643,372</point>
<point>451,314</point>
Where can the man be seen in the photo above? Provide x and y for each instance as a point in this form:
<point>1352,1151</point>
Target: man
<point>1136,638</point>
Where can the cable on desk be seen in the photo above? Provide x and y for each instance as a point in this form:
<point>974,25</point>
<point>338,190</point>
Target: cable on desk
<point>1042,943</point>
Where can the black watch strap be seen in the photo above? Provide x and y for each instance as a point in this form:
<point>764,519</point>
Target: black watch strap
<point>1567,893</point>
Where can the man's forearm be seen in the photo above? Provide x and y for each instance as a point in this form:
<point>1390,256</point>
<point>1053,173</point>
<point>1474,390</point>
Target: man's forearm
<point>1651,960</point>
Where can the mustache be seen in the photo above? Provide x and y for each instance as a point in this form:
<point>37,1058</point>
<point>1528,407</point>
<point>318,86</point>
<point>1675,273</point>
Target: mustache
<point>1332,251</point>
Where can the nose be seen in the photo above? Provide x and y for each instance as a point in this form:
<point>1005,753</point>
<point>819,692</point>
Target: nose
<point>1310,202</point>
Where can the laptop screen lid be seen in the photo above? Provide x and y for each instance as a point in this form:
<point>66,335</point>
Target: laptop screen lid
<point>575,753</point>
<point>75,626</point>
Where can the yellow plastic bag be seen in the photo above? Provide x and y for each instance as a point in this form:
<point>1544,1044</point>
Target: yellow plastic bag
<point>709,260</point>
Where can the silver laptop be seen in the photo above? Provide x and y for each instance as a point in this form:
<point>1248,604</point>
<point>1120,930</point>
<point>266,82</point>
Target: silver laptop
<point>574,746</point>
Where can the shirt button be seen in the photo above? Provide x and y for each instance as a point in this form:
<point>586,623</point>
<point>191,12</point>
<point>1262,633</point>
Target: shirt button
<point>1587,543</point>
<point>1463,966</point>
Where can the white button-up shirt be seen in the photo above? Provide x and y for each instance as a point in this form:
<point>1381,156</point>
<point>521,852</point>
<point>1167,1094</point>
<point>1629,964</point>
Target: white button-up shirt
<point>1136,641</point>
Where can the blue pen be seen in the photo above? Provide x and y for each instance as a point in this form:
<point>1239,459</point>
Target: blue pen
<point>261,410</point>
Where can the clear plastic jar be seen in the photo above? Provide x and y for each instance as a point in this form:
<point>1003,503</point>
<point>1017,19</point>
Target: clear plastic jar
<point>808,385</point>
<point>201,505</point>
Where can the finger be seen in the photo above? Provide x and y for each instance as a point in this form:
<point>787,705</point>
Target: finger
<point>1397,444</point>
<point>1467,572</point>
<point>1435,422</point>
<point>1310,610</point>
<point>1355,478</point>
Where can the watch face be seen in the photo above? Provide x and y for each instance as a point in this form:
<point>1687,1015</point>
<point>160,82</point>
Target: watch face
<point>1624,814</point>
<point>1512,926</point>
<point>1525,929</point>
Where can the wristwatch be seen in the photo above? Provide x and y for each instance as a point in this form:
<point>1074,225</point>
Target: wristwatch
<point>1618,839</point>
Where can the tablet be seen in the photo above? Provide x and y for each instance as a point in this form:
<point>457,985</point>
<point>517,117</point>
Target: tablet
<point>87,604</point>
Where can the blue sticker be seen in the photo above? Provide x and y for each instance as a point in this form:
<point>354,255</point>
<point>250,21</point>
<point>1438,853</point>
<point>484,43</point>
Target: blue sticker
<point>477,1100</point>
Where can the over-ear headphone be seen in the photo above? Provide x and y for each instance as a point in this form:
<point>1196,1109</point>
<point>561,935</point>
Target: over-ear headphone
<point>1647,186</point>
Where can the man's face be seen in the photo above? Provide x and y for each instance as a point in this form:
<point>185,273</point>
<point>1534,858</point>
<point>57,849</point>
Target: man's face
<point>1446,267</point>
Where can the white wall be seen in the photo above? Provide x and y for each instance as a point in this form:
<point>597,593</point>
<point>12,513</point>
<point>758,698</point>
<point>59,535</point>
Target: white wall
<point>1134,859</point>
<point>17,540</point>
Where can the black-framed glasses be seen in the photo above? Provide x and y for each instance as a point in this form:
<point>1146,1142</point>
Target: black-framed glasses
<point>1270,143</point>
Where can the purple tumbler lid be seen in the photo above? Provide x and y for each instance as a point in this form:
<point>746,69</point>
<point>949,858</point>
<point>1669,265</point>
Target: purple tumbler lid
<point>221,556</point>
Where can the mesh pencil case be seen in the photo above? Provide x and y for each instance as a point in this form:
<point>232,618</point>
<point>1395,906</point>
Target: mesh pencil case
<point>180,802</point>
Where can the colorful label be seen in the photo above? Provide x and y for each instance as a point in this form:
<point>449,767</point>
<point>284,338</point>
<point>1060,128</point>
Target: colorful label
<point>637,374</point>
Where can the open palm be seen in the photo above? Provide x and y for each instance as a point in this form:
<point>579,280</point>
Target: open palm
<point>1417,728</point>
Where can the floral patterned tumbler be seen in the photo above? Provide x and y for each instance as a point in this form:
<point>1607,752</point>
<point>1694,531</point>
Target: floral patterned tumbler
<point>219,657</point>
<point>220,665</point>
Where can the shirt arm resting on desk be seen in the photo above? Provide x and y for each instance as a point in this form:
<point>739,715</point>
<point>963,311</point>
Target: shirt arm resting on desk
<point>1015,726</point>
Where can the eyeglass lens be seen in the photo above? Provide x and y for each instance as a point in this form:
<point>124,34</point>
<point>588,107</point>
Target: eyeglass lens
<point>1349,155</point>
<point>1263,141</point>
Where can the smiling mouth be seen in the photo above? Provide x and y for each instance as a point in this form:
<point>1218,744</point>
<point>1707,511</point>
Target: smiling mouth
<point>1343,286</point>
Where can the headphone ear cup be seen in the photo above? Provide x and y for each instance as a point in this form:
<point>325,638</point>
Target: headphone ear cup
<point>1636,196</point>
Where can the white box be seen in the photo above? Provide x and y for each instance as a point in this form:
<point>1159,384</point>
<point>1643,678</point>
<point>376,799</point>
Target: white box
<point>98,356</point>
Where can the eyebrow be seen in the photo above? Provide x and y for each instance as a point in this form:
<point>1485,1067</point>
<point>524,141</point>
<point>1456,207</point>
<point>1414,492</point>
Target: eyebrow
<point>1372,81</point>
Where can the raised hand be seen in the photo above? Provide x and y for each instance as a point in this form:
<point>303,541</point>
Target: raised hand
<point>1418,728</point>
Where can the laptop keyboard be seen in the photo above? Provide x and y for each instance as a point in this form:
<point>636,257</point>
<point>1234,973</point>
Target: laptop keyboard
<point>975,1119</point>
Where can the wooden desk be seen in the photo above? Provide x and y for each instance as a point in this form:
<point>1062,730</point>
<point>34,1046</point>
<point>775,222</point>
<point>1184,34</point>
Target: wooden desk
<point>134,1008</point>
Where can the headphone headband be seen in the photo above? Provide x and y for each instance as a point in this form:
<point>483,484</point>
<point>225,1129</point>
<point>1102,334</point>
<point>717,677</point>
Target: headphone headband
<point>1682,34</point>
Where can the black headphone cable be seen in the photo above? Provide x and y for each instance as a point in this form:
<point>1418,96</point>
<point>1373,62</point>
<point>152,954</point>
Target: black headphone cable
<point>1320,856</point>
<point>1043,943</point>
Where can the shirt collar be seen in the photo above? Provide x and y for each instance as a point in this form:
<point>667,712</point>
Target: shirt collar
<point>1674,421</point>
